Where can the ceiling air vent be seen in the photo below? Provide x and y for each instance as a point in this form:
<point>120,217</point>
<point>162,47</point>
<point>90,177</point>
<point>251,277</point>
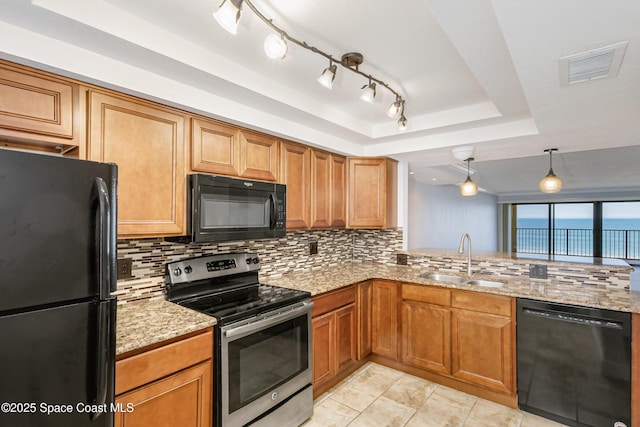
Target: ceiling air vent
<point>593,64</point>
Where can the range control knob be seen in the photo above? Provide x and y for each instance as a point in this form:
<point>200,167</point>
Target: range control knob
<point>255,260</point>
<point>248,261</point>
<point>188,269</point>
<point>177,272</point>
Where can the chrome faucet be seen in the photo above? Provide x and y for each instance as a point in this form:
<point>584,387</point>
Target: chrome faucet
<point>461,250</point>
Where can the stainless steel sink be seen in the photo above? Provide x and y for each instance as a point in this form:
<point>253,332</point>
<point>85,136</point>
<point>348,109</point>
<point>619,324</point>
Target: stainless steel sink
<point>457,279</point>
<point>485,283</point>
<point>444,278</point>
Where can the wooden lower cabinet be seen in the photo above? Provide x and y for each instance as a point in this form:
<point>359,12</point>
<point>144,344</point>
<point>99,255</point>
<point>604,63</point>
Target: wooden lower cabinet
<point>364,306</point>
<point>384,334</point>
<point>460,336</point>
<point>482,349</point>
<point>167,386</point>
<point>334,343</point>
<point>426,336</point>
<point>334,336</point>
<point>183,399</point>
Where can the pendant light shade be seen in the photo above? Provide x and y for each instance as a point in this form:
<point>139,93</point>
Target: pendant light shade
<point>328,76</point>
<point>402,123</point>
<point>468,187</point>
<point>550,183</point>
<point>228,15</point>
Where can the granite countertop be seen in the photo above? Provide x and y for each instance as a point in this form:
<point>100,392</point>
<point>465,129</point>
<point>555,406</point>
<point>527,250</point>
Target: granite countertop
<point>509,256</point>
<point>333,277</point>
<point>144,323</point>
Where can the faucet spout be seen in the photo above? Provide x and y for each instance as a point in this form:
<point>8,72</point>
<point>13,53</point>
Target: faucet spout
<point>461,250</point>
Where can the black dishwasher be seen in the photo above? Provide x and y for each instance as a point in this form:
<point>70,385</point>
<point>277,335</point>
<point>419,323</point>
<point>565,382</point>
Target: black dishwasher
<point>574,363</point>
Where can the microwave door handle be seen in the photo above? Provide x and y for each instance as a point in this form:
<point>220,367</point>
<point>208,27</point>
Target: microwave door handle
<point>273,219</point>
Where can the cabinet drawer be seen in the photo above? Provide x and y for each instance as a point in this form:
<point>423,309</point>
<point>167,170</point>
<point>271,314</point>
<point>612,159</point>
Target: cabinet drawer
<point>484,303</point>
<point>332,300</point>
<point>149,366</point>
<point>427,294</point>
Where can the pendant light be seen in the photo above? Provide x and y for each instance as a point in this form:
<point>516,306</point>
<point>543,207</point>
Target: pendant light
<point>468,187</point>
<point>368,92</point>
<point>275,47</point>
<point>550,183</point>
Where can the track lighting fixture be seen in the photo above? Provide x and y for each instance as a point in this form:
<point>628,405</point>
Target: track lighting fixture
<point>275,46</point>
<point>468,187</point>
<point>328,76</point>
<point>550,183</point>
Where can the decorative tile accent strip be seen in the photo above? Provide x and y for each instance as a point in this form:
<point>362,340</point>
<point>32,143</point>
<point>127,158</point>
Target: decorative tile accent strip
<point>277,256</point>
<point>571,274</point>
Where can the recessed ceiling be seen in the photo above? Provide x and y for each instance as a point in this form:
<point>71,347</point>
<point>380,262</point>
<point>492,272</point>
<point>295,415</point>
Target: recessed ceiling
<point>482,73</point>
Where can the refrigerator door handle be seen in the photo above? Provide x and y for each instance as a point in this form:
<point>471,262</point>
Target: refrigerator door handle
<point>105,360</point>
<point>104,241</point>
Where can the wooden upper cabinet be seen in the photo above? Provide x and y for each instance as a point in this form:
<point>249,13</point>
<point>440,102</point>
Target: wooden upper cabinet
<point>147,142</point>
<point>338,204</point>
<point>295,173</point>
<point>258,156</point>
<point>215,147</point>
<point>372,196</point>
<point>38,107</point>
<point>320,189</point>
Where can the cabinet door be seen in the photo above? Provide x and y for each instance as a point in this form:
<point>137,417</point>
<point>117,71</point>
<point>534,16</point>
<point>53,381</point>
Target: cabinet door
<point>320,189</point>
<point>323,333</point>
<point>258,156</point>
<point>385,319</point>
<point>183,399</point>
<point>214,148</point>
<point>147,142</point>
<point>365,301</point>
<point>37,106</point>
<point>426,336</point>
<point>345,337</point>
<point>482,349</point>
<point>338,202</point>
<point>372,193</point>
<point>295,173</point>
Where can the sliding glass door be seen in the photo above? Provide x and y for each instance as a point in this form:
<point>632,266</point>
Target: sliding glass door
<point>597,229</point>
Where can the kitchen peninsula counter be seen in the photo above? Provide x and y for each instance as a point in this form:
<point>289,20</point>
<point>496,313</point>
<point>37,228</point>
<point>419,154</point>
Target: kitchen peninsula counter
<point>143,323</point>
<point>334,277</point>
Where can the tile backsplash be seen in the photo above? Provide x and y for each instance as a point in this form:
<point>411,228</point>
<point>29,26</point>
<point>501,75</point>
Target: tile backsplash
<point>277,256</point>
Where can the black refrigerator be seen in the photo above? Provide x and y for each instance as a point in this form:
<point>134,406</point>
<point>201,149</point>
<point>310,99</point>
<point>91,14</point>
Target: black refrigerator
<point>57,272</point>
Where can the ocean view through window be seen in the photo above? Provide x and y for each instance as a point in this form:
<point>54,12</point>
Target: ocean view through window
<point>600,229</point>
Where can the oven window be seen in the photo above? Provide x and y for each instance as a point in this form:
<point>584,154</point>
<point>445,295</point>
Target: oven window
<point>260,362</point>
<point>234,210</point>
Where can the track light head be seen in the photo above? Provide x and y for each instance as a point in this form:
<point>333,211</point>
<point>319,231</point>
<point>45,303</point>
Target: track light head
<point>328,76</point>
<point>368,92</point>
<point>275,47</point>
<point>396,109</point>
<point>402,123</point>
<point>228,15</point>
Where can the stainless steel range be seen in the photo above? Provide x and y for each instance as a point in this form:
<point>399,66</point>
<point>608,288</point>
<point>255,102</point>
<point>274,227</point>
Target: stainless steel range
<point>262,344</point>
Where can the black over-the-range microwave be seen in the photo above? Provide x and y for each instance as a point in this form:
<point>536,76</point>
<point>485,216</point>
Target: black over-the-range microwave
<point>221,209</point>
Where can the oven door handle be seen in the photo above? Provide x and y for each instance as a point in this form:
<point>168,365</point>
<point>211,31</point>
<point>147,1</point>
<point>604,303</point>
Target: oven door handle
<point>265,322</point>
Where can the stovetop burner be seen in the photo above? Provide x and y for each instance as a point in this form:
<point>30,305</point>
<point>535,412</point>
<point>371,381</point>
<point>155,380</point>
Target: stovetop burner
<point>225,286</point>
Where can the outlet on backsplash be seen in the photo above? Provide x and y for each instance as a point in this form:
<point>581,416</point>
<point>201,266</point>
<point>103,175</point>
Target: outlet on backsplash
<point>401,259</point>
<point>313,248</point>
<point>124,268</point>
<point>537,271</point>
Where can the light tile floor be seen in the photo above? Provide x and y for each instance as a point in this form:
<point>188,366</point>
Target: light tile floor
<point>376,395</point>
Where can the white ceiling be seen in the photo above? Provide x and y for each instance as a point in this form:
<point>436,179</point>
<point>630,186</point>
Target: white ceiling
<point>473,72</point>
